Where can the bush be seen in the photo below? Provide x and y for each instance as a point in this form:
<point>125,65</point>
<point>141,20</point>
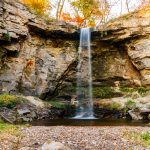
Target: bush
<point>7,100</point>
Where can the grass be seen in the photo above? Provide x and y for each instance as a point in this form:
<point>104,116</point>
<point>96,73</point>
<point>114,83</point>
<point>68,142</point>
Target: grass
<point>139,138</point>
<point>8,100</point>
<point>10,133</point>
<point>4,127</point>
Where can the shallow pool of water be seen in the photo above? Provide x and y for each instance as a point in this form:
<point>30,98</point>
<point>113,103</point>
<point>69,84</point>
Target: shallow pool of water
<point>88,122</point>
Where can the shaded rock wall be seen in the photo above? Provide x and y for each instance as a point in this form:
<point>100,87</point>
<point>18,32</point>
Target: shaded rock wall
<point>38,57</point>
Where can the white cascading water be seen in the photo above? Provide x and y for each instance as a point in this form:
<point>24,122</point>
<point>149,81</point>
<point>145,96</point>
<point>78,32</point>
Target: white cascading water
<point>84,77</point>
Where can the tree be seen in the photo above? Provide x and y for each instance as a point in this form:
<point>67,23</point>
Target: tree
<point>86,12</point>
<point>39,6</point>
<point>60,6</point>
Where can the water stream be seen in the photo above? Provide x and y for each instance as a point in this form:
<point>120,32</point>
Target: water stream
<point>84,77</point>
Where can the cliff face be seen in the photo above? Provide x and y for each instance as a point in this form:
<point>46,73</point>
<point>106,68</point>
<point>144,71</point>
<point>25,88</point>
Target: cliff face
<point>38,57</point>
<point>35,53</point>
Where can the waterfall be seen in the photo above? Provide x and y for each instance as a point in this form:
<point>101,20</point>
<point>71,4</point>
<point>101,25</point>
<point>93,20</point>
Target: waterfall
<point>84,77</point>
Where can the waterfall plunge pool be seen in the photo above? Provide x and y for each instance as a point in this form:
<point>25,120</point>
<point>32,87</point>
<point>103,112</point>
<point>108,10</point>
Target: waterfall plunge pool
<point>89,122</point>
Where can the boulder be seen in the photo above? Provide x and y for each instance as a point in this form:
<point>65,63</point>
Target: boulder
<point>54,146</point>
<point>135,115</point>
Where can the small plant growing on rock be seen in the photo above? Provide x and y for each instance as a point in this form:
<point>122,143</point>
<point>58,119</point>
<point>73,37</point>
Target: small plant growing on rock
<point>7,36</point>
<point>115,106</point>
<point>130,104</point>
<point>7,100</point>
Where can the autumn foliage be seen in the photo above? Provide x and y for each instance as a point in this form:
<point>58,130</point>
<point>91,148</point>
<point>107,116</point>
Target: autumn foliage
<point>144,9</point>
<point>76,20</point>
<point>39,6</point>
<point>83,13</point>
<point>86,12</point>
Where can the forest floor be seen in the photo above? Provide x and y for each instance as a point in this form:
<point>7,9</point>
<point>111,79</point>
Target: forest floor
<point>77,138</point>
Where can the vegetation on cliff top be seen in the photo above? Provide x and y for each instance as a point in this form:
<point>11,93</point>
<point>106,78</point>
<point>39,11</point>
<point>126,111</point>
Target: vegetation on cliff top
<point>85,12</point>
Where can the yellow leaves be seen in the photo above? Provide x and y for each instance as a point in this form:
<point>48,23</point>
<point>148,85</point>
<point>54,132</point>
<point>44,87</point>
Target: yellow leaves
<point>91,23</point>
<point>39,6</point>
<point>145,9</point>
<point>145,12</point>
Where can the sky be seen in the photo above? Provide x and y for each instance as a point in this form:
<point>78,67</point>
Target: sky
<point>115,10</point>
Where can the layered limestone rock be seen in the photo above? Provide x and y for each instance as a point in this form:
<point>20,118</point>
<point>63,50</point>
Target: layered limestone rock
<point>131,34</point>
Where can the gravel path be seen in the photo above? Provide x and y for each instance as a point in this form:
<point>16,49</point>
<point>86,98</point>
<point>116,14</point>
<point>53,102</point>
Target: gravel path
<point>77,138</point>
<point>83,138</point>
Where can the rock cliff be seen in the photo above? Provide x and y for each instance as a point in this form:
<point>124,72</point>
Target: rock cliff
<point>35,53</point>
<point>38,56</point>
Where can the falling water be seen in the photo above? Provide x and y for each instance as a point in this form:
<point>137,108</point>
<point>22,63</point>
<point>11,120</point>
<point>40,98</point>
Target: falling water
<point>84,77</point>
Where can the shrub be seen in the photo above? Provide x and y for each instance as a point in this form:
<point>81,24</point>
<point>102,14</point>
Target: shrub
<point>7,100</point>
<point>38,6</point>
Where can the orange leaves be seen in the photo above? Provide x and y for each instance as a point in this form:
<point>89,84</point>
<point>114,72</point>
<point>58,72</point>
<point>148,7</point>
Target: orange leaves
<point>66,17</point>
<point>76,20</point>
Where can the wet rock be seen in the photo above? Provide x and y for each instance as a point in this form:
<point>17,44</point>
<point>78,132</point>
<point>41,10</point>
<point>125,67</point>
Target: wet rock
<point>54,146</point>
